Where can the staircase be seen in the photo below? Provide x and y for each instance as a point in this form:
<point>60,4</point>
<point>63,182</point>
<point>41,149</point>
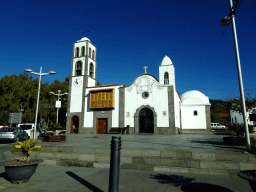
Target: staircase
<point>164,161</point>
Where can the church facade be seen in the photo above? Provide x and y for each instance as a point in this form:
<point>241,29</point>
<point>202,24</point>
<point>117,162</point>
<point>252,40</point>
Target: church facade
<point>147,105</point>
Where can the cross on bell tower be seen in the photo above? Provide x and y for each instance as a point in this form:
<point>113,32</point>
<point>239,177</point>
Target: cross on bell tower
<point>145,69</point>
<point>85,32</point>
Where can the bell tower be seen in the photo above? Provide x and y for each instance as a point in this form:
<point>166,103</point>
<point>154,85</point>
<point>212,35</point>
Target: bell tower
<point>83,75</point>
<point>166,72</point>
<point>84,61</point>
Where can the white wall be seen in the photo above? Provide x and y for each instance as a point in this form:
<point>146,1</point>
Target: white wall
<point>157,99</point>
<point>189,121</point>
<point>91,82</point>
<point>238,118</point>
<point>76,96</point>
<point>88,113</point>
<point>115,112</point>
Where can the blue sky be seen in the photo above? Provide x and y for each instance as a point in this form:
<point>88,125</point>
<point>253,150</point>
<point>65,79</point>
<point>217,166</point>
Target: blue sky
<point>130,34</point>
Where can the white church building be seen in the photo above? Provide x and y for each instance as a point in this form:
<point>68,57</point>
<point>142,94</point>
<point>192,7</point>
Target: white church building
<point>147,105</point>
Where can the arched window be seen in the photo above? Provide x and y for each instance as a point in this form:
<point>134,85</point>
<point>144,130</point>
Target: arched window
<point>166,78</point>
<point>91,70</point>
<point>195,113</point>
<point>90,50</point>
<point>77,52</point>
<point>232,120</point>
<point>83,51</point>
<point>93,55</point>
<point>235,120</point>
<point>79,68</point>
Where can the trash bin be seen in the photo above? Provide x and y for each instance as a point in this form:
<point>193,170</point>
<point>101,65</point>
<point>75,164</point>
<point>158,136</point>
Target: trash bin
<point>127,129</point>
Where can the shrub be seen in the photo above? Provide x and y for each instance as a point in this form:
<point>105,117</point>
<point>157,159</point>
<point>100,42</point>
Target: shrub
<point>252,148</point>
<point>25,149</point>
<point>55,126</point>
<point>239,129</point>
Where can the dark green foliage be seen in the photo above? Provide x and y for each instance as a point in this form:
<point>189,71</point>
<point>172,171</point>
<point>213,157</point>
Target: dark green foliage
<point>20,92</point>
<point>4,117</point>
<point>219,106</point>
<point>252,148</point>
<point>55,126</point>
<point>234,102</point>
<point>239,129</point>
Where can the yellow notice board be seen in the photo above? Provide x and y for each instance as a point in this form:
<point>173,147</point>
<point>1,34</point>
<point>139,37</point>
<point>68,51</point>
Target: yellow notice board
<point>102,99</point>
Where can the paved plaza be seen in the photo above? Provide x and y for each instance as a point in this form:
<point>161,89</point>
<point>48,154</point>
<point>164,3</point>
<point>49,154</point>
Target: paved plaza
<point>72,178</point>
<point>196,141</point>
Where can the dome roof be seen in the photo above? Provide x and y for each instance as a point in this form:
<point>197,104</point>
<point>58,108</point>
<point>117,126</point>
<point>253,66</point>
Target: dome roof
<point>84,39</point>
<point>166,61</point>
<point>194,97</point>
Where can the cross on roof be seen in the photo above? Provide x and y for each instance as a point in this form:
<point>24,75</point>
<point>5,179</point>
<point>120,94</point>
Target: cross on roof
<point>145,69</point>
<point>85,32</point>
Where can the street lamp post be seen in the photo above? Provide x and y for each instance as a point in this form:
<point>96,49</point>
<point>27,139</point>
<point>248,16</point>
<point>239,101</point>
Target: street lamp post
<point>59,91</point>
<point>224,22</point>
<point>38,93</point>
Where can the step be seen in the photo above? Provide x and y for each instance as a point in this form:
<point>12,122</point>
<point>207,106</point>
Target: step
<point>161,154</point>
<point>164,169</point>
<point>143,159</point>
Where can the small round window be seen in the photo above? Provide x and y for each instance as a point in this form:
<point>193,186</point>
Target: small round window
<point>145,95</point>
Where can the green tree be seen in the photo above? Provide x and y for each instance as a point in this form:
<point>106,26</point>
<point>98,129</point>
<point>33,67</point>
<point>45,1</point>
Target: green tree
<point>235,101</point>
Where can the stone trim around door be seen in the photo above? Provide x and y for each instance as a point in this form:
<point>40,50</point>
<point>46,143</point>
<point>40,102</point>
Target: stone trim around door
<point>98,114</point>
<point>72,129</point>
<point>136,118</point>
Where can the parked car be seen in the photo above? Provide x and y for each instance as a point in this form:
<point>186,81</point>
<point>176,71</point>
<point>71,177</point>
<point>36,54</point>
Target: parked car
<point>217,126</point>
<point>13,134</point>
<point>28,127</point>
<point>2,126</point>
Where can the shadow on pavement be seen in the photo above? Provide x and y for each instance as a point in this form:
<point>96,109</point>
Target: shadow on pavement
<point>83,182</point>
<point>187,184</point>
<point>220,132</point>
<point>4,175</point>
<point>220,144</point>
<point>202,187</point>
<point>174,180</point>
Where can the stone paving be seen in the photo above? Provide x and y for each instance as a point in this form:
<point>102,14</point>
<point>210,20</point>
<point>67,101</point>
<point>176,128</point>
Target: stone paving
<point>196,141</point>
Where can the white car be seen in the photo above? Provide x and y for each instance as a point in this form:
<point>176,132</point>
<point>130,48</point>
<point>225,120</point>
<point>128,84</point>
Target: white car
<point>27,127</point>
<point>217,126</point>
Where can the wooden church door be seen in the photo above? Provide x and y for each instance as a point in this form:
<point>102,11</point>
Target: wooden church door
<point>102,126</point>
<point>146,121</point>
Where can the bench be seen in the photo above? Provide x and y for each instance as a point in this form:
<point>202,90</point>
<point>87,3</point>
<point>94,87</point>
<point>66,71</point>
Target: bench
<point>54,138</point>
<point>115,130</point>
<point>119,130</point>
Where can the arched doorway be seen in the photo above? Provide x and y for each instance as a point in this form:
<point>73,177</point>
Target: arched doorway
<point>146,121</point>
<point>74,126</point>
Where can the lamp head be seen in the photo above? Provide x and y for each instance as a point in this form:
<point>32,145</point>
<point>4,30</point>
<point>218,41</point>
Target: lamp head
<point>225,21</point>
<point>52,72</point>
<point>51,92</point>
<point>28,70</point>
